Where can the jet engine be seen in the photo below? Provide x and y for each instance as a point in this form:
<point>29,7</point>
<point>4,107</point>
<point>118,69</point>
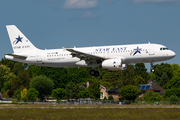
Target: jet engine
<point>113,64</point>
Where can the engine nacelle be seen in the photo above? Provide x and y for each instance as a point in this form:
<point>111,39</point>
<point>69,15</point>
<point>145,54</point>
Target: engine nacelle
<point>113,64</point>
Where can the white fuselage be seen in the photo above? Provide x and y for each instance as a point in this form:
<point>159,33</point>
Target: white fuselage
<point>135,53</point>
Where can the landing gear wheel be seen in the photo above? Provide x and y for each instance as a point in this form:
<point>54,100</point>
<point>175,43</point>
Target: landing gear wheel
<point>92,72</point>
<point>96,73</point>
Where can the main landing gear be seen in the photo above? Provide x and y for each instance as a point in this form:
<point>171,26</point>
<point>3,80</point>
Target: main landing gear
<point>94,73</point>
<point>152,69</point>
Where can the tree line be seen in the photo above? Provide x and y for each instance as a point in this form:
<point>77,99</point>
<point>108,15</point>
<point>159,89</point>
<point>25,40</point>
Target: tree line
<point>37,82</point>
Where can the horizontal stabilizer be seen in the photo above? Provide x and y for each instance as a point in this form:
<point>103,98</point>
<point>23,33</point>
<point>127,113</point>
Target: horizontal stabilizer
<point>17,56</point>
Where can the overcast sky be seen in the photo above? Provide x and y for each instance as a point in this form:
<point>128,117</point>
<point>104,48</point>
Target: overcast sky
<point>55,23</point>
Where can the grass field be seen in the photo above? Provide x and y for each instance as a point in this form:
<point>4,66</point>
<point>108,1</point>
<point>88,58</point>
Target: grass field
<point>54,113</point>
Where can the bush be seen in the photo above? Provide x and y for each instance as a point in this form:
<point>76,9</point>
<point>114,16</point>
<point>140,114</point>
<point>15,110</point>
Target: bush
<point>84,94</point>
<point>24,94</point>
<point>173,91</point>
<point>129,92</point>
<point>111,98</point>
<point>59,93</point>
<point>105,98</point>
<point>94,91</point>
<point>32,94</point>
<point>43,85</point>
<point>173,99</point>
<point>139,99</point>
<point>17,94</point>
<point>151,96</point>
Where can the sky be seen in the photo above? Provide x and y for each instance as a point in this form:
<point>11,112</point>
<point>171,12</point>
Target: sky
<point>53,24</point>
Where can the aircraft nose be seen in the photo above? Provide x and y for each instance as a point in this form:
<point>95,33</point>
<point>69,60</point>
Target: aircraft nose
<point>172,54</point>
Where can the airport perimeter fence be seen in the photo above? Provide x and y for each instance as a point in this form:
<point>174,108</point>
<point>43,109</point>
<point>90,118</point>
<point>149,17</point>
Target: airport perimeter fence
<point>103,102</point>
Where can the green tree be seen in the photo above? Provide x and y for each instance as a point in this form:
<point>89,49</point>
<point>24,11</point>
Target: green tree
<point>173,99</point>
<point>4,61</point>
<point>58,75</point>
<point>141,70</point>
<point>59,93</point>
<point>7,63</point>
<point>32,70</point>
<point>112,78</point>
<point>161,69</point>
<point>76,91</point>
<point>32,94</point>
<point>7,85</point>
<point>151,76</point>
<point>127,76</point>
<point>21,81</point>
<point>138,80</point>
<point>5,75</point>
<point>78,75</point>
<point>176,69</point>
<point>94,91</point>
<point>61,76</point>
<point>173,83</point>
<point>70,90</point>
<point>17,94</point>
<point>173,91</point>
<point>102,72</point>
<point>17,68</point>
<point>151,96</point>
<point>164,79</point>
<point>129,92</point>
<point>43,84</point>
<point>84,94</point>
<point>119,78</point>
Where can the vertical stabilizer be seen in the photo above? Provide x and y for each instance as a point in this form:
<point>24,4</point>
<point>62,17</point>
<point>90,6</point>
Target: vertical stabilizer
<point>18,40</point>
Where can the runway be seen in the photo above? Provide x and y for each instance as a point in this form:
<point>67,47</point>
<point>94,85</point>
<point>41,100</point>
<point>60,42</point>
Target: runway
<point>123,107</point>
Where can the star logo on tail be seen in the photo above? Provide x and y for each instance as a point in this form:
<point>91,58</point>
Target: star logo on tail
<point>18,39</point>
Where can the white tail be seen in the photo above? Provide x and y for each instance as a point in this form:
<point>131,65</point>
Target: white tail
<point>18,40</point>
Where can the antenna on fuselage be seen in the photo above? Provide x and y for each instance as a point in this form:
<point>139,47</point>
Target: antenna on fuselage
<point>149,42</point>
<point>64,49</point>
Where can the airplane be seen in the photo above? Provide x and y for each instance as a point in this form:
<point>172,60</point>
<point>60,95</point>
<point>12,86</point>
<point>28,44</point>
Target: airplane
<point>114,57</point>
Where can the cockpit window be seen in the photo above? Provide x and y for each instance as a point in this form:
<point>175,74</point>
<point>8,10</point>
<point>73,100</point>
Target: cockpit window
<point>164,49</point>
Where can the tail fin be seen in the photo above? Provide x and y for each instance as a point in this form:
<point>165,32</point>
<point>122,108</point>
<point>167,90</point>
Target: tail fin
<point>18,40</point>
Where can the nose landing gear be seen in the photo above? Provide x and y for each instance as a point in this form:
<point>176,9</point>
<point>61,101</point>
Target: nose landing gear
<point>152,69</point>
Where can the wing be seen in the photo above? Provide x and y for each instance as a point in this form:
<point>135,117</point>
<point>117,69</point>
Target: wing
<point>89,58</point>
